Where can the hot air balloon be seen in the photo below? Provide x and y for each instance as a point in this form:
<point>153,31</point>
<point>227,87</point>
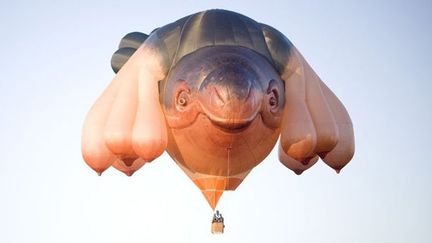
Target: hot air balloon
<point>216,90</point>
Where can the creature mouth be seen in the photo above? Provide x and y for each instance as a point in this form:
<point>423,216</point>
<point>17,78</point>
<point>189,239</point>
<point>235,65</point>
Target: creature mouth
<point>231,125</point>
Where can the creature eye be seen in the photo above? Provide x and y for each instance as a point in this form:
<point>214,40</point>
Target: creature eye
<point>182,99</point>
<point>273,98</point>
<point>273,101</point>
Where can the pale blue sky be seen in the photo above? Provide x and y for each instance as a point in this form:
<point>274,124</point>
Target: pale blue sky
<point>375,55</point>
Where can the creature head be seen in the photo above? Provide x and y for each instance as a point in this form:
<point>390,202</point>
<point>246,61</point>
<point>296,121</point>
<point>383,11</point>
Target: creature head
<point>222,98</point>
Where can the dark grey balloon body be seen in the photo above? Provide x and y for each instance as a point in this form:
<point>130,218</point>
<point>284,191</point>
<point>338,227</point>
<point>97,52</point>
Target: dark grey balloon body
<point>128,45</point>
<point>214,28</point>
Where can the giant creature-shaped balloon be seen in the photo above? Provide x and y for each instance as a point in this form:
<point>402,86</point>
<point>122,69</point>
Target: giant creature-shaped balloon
<point>215,90</point>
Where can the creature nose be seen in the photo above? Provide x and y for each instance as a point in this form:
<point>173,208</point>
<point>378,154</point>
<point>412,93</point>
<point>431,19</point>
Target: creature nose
<point>231,91</point>
<point>230,95</point>
<point>230,82</point>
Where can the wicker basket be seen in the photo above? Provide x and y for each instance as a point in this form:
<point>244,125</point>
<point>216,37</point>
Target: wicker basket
<point>217,228</point>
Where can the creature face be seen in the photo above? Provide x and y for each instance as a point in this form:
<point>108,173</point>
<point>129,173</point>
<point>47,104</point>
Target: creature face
<point>223,105</point>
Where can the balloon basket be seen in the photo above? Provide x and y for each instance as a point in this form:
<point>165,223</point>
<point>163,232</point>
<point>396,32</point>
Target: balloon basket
<point>217,228</point>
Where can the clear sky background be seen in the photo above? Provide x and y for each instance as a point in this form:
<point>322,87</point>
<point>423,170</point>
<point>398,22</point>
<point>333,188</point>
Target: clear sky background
<point>55,61</point>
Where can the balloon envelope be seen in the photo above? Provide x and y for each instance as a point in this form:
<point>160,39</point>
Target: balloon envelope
<point>216,90</point>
